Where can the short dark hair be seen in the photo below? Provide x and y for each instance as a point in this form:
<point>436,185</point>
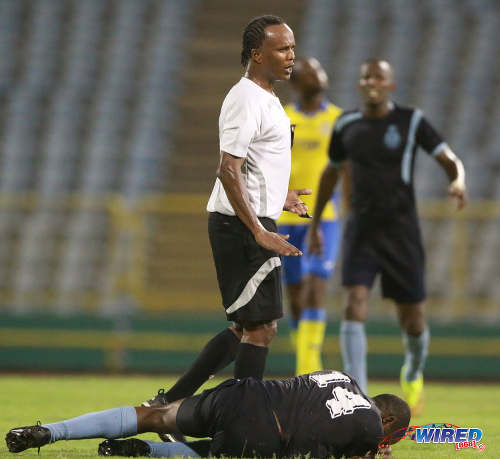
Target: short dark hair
<point>392,405</point>
<point>254,34</point>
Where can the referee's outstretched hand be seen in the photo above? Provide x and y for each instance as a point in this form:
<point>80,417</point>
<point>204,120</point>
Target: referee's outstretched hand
<point>277,243</point>
<point>294,204</point>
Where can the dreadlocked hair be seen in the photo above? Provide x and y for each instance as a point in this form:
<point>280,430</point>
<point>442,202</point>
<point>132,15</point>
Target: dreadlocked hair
<point>254,34</point>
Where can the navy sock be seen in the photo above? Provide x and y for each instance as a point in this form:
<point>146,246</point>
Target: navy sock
<point>217,354</point>
<point>250,361</point>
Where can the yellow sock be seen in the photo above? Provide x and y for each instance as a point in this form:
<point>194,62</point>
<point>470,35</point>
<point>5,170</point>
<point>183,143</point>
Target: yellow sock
<point>310,337</point>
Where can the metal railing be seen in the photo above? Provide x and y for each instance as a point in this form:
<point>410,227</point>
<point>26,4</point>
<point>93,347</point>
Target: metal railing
<point>157,257</point>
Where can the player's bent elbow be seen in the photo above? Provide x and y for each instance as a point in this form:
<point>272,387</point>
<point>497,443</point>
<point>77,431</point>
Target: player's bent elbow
<point>226,174</point>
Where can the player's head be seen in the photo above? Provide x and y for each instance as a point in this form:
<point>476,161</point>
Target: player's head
<point>395,414</point>
<point>268,46</point>
<point>376,81</point>
<point>308,77</point>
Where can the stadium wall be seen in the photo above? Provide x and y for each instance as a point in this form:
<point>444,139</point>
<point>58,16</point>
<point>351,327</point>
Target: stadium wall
<point>154,344</point>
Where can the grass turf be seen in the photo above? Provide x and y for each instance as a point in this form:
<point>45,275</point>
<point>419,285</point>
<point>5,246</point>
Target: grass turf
<point>25,399</point>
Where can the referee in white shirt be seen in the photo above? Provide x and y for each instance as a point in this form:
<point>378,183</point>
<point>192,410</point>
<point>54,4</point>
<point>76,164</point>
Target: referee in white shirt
<point>250,192</point>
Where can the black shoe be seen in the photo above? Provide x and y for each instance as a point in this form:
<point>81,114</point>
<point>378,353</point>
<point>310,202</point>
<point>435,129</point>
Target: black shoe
<point>22,438</point>
<point>131,447</point>
<point>172,437</point>
<point>160,399</point>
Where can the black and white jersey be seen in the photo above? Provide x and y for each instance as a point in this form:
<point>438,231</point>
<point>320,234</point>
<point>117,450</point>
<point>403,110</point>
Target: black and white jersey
<point>325,414</point>
<point>382,153</point>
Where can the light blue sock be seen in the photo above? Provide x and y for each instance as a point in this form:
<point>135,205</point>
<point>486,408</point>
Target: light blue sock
<point>353,348</point>
<point>114,423</point>
<point>416,349</point>
<point>170,449</point>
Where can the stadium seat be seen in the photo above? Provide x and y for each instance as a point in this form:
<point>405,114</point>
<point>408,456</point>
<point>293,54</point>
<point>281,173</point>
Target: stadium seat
<point>93,93</point>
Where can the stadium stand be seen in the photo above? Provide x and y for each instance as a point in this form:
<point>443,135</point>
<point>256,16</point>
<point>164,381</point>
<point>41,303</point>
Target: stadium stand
<point>88,90</point>
<point>107,104</point>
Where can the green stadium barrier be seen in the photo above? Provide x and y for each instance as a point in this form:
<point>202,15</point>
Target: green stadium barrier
<point>458,351</point>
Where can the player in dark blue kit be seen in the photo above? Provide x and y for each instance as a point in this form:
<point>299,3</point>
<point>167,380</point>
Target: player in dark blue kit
<point>382,234</point>
<point>320,415</point>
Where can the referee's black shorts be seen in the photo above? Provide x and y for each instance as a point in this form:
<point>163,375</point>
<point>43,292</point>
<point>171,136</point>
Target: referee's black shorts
<point>392,248</point>
<point>249,276</point>
<point>237,414</point>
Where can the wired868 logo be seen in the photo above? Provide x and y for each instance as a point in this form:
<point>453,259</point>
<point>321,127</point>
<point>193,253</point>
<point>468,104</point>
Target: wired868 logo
<point>442,433</point>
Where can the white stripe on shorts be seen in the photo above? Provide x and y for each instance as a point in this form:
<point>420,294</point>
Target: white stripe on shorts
<point>253,284</point>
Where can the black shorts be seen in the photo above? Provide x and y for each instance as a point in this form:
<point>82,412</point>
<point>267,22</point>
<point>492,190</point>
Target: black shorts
<point>392,248</point>
<point>237,415</point>
<point>249,276</point>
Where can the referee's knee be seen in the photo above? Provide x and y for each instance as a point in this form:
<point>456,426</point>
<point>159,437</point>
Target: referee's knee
<point>259,333</point>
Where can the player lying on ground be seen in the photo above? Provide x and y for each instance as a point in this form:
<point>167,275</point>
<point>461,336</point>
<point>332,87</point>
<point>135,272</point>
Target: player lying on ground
<point>323,414</point>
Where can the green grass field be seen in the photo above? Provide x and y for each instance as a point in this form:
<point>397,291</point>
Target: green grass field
<point>26,399</point>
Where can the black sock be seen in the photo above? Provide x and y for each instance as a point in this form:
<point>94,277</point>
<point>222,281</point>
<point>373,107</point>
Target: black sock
<point>217,354</point>
<point>250,361</point>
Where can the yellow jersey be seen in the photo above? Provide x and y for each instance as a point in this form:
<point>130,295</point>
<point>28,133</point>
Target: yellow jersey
<point>310,156</point>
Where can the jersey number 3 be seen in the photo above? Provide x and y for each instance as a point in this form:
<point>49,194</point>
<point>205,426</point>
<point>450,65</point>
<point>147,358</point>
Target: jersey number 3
<point>345,402</point>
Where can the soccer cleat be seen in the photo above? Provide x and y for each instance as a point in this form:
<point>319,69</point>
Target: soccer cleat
<point>131,447</point>
<point>160,399</point>
<point>413,392</point>
<point>172,437</point>
<point>22,438</point>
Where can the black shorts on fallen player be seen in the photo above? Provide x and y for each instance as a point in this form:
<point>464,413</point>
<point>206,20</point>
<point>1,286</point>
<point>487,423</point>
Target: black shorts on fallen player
<point>391,248</point>
<point>249,276</point>
<point>237,415</point>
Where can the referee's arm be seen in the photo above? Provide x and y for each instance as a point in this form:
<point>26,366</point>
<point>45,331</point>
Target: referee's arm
<point>229,173</point>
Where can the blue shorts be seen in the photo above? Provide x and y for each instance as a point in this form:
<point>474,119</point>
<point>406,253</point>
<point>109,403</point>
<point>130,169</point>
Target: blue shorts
<point>295,268</point>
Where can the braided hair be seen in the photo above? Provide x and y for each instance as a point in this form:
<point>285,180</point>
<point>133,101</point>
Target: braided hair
<point>254,34</point>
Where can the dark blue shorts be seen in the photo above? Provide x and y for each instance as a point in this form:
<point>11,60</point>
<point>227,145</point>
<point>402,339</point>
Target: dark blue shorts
<point>249,276</point>
<point>392,249</point>
<point>237,415</point>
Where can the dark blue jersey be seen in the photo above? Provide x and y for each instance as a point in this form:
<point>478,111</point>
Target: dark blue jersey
<point>382,153</point>
<point>319,415</point>
<point>324,414</point>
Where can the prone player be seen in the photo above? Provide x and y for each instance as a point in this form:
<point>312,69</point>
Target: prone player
<point>323,414</point>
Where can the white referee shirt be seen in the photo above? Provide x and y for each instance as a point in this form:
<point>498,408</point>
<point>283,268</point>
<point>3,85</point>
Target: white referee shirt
<point>253,125</point>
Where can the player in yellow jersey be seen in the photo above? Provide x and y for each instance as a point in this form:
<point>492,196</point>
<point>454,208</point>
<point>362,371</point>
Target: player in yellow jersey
<point>306,277</point>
